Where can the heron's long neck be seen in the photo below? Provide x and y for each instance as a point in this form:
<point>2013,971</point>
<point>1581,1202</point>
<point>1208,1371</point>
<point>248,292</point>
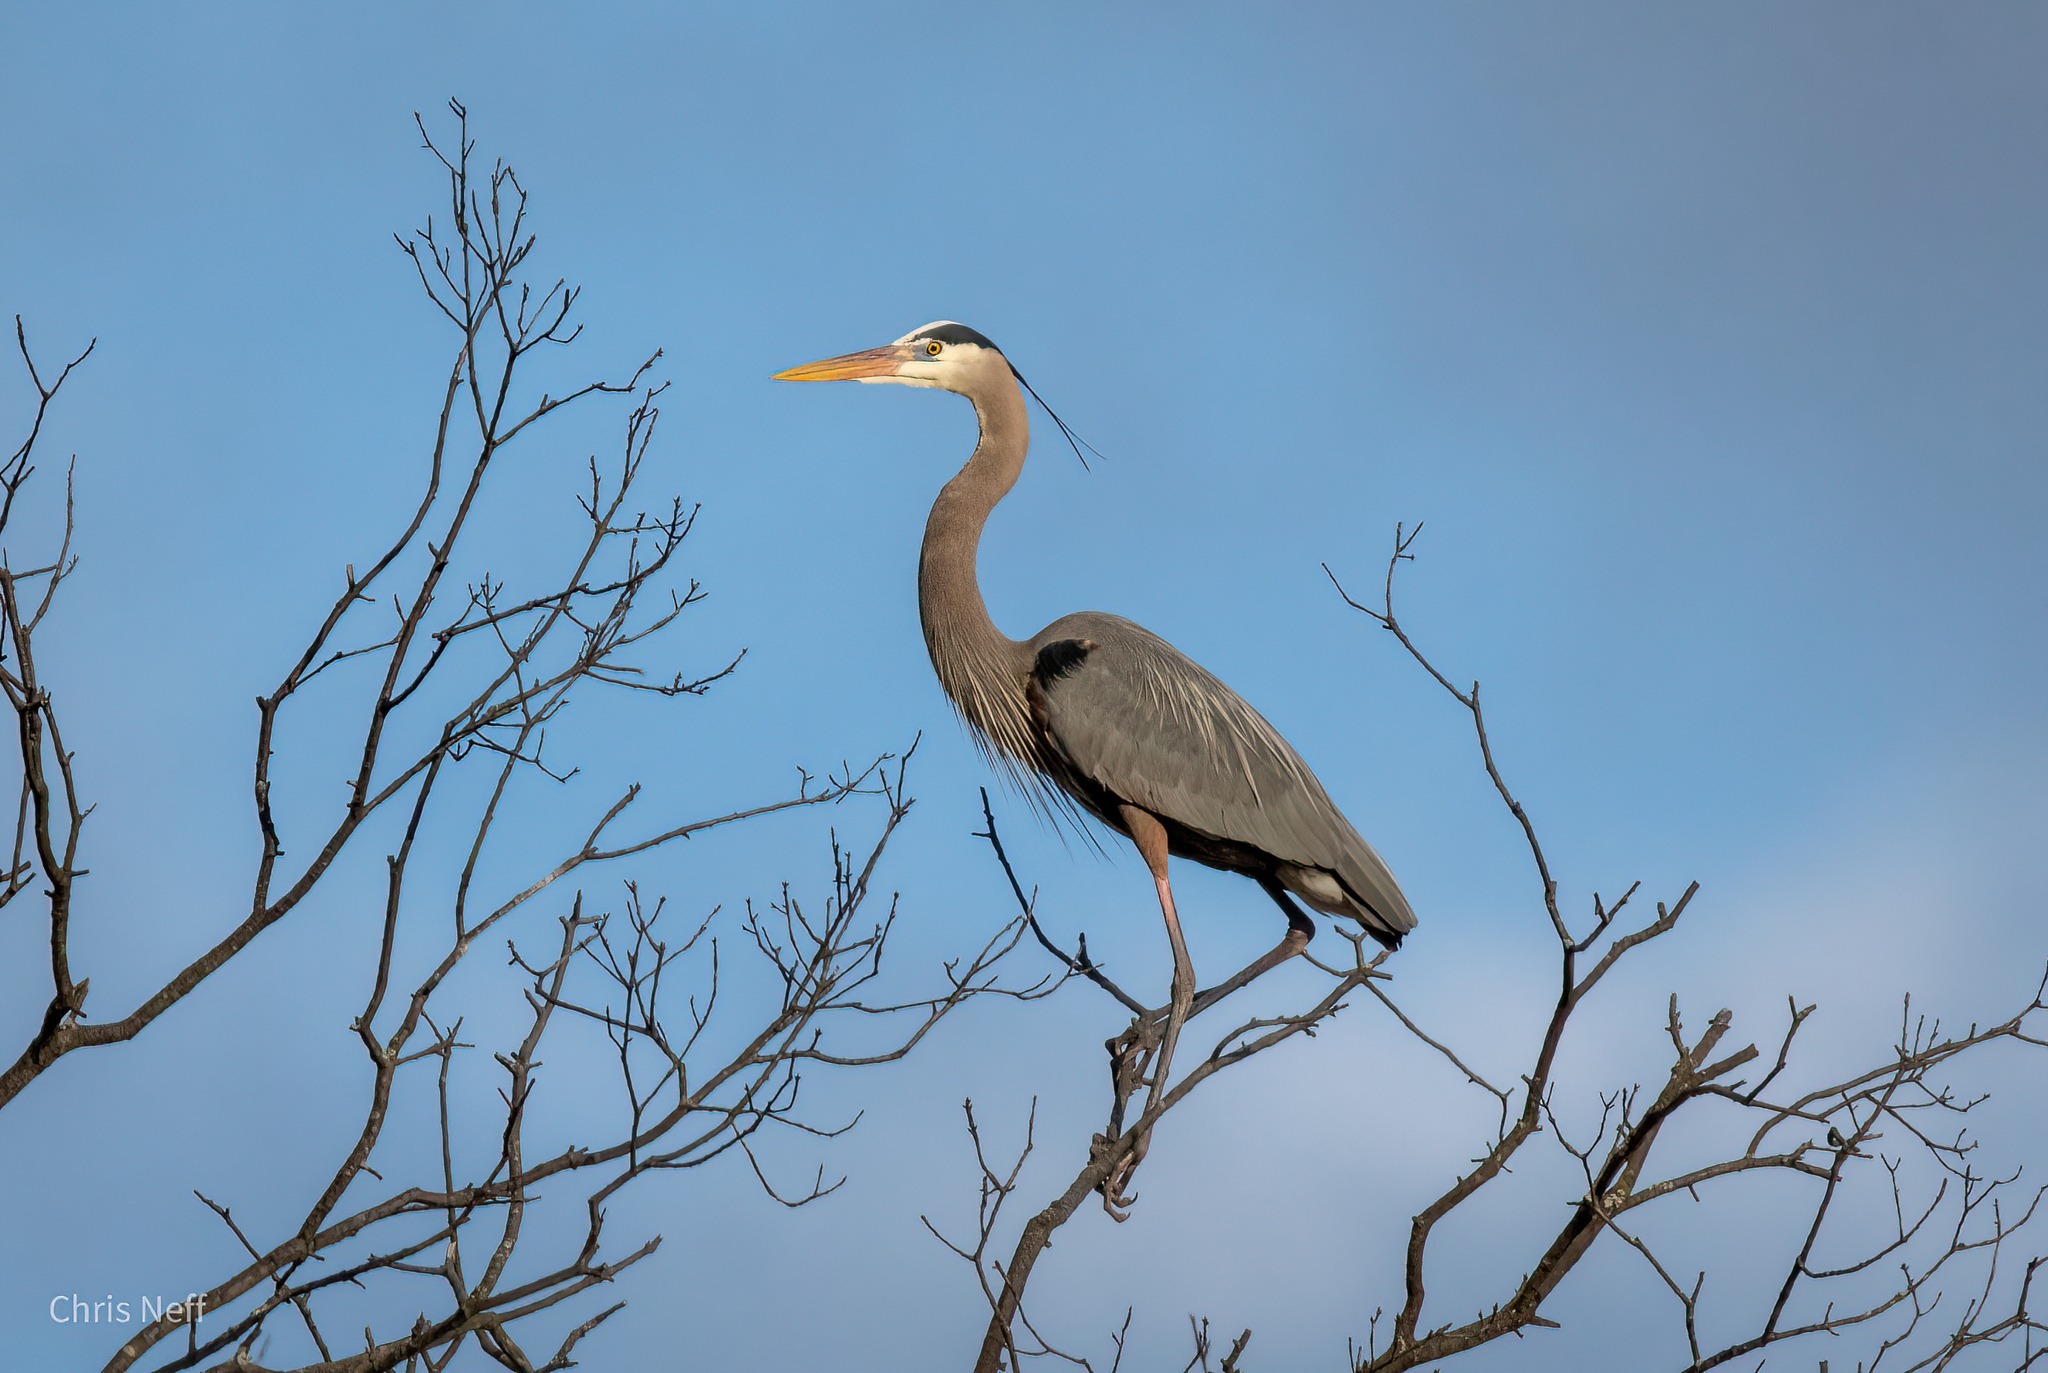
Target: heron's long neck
<point>981,670</point>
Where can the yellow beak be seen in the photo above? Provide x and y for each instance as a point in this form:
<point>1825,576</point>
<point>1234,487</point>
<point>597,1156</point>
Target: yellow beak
<point>874,362</point>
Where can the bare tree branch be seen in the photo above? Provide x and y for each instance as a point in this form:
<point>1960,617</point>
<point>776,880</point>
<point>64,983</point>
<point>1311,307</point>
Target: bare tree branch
<point>1827,1131</point>
<point>433,664</point>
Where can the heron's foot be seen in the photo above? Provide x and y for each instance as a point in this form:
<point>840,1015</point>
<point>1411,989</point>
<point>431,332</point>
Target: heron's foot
<point>1117,1198</point>
<point>1132,1058</point>
<point>1131,1051</point>
<point>1141,1058</point>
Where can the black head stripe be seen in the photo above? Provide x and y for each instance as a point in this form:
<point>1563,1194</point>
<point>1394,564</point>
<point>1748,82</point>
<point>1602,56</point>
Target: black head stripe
<point>955,333</point>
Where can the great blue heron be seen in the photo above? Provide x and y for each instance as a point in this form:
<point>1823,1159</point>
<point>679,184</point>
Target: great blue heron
<point>1113,716</point>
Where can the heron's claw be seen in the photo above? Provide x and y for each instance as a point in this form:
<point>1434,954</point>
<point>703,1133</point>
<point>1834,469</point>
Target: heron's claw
<point>1117,1198</point>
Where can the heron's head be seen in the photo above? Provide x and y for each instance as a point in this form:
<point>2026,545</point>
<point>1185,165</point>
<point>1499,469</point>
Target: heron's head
<point>949,356</point>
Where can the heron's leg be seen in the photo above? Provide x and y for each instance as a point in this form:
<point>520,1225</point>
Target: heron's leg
<point>1150,837</point>
<point>1300,929</point>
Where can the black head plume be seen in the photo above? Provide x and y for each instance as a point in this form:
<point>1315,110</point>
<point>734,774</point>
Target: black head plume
<point>1074,441</point>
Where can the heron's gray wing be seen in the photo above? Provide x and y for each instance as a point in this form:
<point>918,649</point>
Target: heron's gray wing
<point>1134,715</point>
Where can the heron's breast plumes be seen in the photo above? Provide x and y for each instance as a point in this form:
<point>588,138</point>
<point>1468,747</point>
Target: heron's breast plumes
<point>989,692</point>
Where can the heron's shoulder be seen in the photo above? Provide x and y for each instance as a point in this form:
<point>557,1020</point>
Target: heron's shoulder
<point>1094,655</point>
<point>1098,652</point>
<point>1101,631</point>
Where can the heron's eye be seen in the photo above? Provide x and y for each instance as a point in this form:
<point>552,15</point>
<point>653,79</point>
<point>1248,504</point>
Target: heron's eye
<point>934,348</point>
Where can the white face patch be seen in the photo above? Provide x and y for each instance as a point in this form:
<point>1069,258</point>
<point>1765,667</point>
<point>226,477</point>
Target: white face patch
<point>958,361</point>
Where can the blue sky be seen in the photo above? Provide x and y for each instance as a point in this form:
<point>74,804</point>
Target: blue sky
<point>1706,340</point>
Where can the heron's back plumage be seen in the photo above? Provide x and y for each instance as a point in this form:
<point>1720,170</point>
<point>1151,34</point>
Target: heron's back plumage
<point>1124,716</point>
